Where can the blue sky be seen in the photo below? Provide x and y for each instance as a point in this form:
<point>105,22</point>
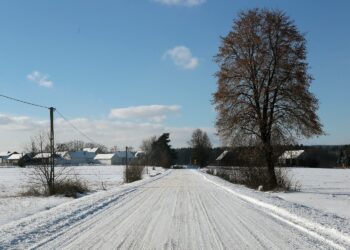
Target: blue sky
<point>125,70</point>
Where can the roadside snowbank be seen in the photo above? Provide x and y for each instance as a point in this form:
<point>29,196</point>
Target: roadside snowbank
<point>327,190</point>
<point>299,209</point>
<point>334,231</point>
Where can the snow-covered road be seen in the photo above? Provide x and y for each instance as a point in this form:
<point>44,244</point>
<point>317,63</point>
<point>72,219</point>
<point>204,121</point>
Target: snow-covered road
<point>182,209</point>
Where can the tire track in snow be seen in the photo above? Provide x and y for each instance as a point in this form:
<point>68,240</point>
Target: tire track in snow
<point>92,221</point>
<point>320,232</point>
<point>180,212</point>
<point>120,215</point>
<point>202,210</point>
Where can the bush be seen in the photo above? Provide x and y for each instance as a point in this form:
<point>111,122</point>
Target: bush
<point>133,173</point>
<point>68,188</point>
<point>258,176</point>
<point>255,177</point>
<point>32,191</point>
<point>71,188</point>
<point>285,181</point>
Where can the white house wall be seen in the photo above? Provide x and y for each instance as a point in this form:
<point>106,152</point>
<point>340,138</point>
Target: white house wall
<point>104,162</point>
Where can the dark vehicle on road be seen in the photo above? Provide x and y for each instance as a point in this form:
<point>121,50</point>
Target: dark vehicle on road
<point>177,167</point>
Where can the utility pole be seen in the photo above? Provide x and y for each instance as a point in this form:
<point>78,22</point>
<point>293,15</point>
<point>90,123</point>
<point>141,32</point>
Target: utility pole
<point>126,157</point>
<point>52,151</point>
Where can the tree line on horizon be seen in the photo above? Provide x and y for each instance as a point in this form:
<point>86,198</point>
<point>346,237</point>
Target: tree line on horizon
<point>158,151</point>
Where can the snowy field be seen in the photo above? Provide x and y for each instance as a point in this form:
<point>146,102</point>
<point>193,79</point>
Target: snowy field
<point>14,181</point>
<point>325,189</point>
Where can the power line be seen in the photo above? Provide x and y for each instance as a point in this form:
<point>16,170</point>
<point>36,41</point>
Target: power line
<point>60,114</point>
<point>74,127</point>
<point>25,102</point>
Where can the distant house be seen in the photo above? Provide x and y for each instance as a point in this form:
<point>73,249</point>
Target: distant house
<point>122,157</point>
<point>81,157</point>
<point>19,159</point>
<point>44,158</point>
<point>222,155</point>
<point>41,158</point>
<point>64,154</point>
<point>117,158</point>
<point>4,156</point>
<point>226,158</point>
<point>291,158</point>
<point>64,158</point>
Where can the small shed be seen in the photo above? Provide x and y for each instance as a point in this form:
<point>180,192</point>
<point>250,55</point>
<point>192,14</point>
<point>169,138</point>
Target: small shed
<point>291,157</point>
<point>107,159</point>
<point>117,158</point>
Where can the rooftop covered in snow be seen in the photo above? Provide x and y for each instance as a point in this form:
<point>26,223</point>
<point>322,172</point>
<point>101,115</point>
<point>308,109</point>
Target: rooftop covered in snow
<point>16,156</point>
<point>291,154</point>
<point>104,156</point>
<point>91,150</point>
<point>223,154</point>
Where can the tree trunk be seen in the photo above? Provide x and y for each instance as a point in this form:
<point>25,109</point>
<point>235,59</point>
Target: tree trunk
<point>270,166</point>
<point>272,174</point>
<point>51,186</point>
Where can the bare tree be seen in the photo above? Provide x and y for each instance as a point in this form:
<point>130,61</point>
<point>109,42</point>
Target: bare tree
<point>146,145</point>
<point>41,175</point>
<point>201,147</point>
<point>115,148</point>
<point>74,145</point>
<point>130,148</point>
<point>263,84</point>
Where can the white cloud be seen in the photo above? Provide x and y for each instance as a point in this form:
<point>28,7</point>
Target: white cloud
<point>187,3</point>
<point>154,113</point>
<point>125,133</point>
<point>16,131</point>
<point>17,123</point>
<point>182,57</point>
<point>40,79</point>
